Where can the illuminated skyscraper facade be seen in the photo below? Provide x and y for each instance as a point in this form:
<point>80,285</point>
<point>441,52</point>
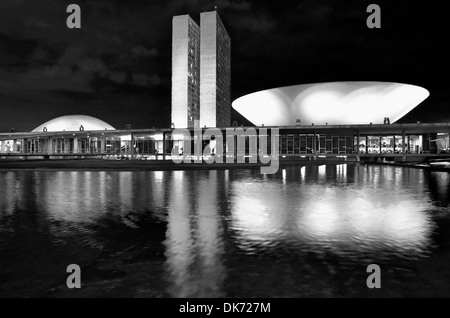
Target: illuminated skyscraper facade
<point>215,72</point>
<point>201,74</point>
<point>185,71</point>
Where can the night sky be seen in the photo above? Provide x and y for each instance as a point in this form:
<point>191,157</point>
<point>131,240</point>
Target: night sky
<point>117,67</point>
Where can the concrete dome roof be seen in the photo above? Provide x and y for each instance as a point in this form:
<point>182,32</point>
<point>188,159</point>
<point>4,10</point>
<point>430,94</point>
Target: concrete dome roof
<point>335,103</point>
<point>73,123</point>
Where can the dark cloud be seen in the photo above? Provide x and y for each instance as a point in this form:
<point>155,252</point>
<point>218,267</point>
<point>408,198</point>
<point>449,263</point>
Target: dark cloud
<point>140,51</point>
<point>118,65</point>
<point>257,23</point>
<point>233,5</point>
<point>314,13</point>
<point>146,80</point>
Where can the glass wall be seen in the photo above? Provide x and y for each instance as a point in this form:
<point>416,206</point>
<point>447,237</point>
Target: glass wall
<point>11,146</point>
<point>148,145</point>
<point>368,144</point>
<point>319,143</point>
<point>63,145</point>
<point>443,143</point>
<point>112,145</point>
<point>36,146</point>
<point>414,144</point>
<point>289,144</point>
<point>92,145</point>
<point>398,144</point>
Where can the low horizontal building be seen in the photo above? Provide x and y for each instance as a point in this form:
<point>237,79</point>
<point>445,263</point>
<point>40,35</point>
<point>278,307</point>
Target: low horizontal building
<point>101,139</point>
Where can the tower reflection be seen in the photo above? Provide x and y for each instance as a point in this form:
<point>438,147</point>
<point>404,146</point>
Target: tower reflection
<point>226,233</point>
<point>193,242</point>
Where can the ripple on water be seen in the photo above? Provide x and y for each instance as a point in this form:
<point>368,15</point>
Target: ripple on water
<point>223,233</point>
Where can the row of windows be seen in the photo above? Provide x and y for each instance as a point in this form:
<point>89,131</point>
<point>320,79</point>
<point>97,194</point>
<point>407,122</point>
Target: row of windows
<point>288,144</point>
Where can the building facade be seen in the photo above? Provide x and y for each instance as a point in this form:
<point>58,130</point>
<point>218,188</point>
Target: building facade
<point>215,72</point>
<point>185,71</point>
<point>396,141</point>
<point>201,74</point>
<point>333,103</point>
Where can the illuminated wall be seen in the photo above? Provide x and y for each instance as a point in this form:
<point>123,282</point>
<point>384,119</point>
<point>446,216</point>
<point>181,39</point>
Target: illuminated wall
<point>215,72</point>
<point>185,71</point>
<point>335,103</point>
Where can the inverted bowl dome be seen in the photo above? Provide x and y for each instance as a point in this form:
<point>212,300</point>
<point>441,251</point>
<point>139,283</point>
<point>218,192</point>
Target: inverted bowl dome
<point>335,103</point>
<point>73,123</point>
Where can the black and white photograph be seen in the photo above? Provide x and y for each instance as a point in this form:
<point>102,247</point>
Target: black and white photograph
<point>224,154</point>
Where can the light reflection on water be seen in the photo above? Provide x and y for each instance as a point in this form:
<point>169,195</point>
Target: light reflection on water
<point>194,244</point>
<point>345,218</point>
<point>221,229</point>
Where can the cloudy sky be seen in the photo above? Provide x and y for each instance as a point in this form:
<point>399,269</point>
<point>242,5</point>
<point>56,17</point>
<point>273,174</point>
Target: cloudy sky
<point>118,65</point>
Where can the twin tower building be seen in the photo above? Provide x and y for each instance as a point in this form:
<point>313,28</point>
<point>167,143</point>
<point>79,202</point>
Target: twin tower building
<point>201,74</point>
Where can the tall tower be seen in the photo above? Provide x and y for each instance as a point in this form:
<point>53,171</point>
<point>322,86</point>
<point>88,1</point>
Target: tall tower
<point>215,72</point>
<point>185,71</point>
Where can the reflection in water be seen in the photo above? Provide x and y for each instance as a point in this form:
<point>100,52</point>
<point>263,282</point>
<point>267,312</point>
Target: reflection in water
<point>443,181</point>
<point>9,195</point>
<point>194,246</point>
<point>179,241</point>
<point>216,223</point>
<point>346,218</point>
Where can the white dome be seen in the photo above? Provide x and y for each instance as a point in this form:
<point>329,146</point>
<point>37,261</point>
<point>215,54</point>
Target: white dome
<point>73,123</point>
<point>335,103</point>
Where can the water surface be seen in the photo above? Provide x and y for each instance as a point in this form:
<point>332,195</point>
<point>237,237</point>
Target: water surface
<point>303,232</point>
